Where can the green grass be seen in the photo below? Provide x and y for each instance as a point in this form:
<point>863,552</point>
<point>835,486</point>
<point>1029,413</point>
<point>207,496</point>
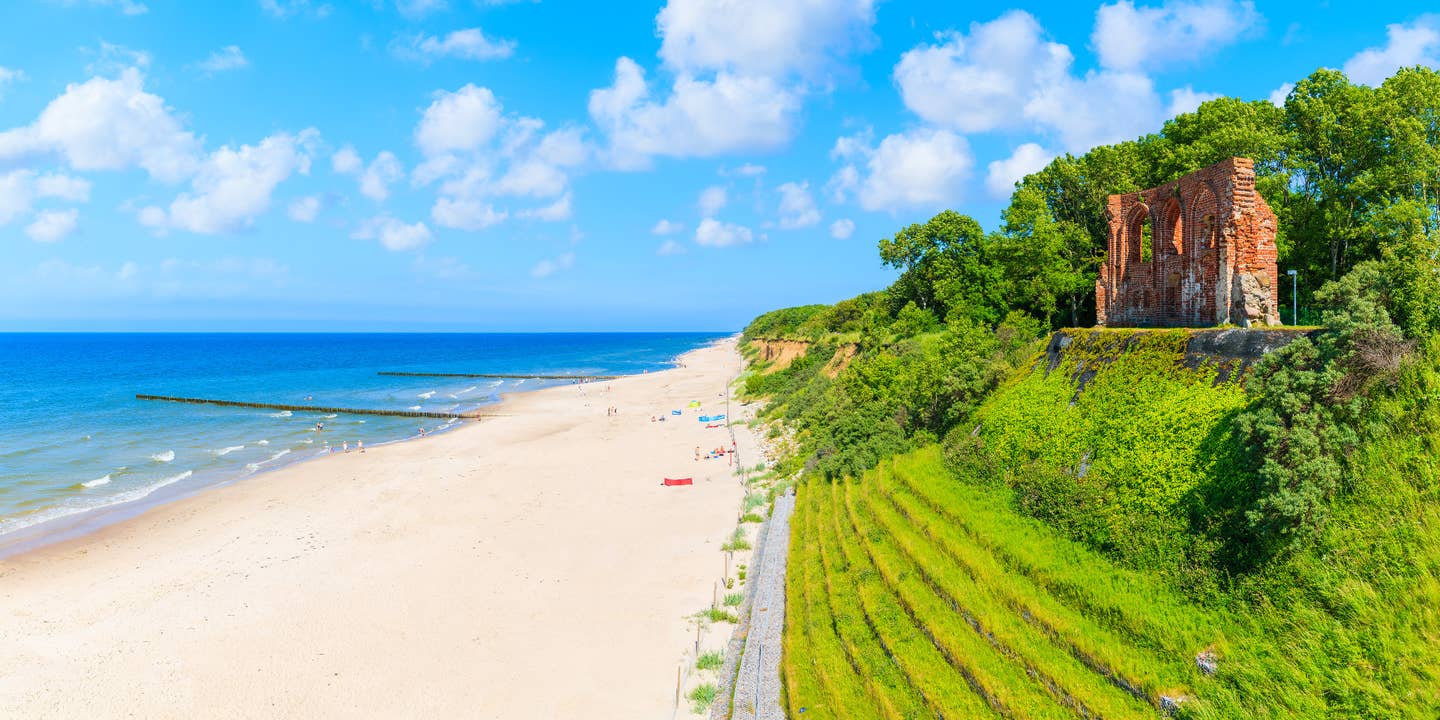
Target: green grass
<point>701,697</point>
<point>752,518</point>
<point>737,541</point>
<point>712,660</point>
<point>733,599</point>
<point>719,615</point>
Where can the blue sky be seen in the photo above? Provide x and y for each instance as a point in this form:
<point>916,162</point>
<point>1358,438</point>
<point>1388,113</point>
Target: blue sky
<point>492,165</point>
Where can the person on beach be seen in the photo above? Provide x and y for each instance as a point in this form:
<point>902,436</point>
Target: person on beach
<point>697,453</point>
<point>346,446</point>
<point>360,445</point>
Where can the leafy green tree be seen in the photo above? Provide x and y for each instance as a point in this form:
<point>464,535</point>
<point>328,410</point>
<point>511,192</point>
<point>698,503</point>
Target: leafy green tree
<point>944,266</point>
<point>1049,266</point>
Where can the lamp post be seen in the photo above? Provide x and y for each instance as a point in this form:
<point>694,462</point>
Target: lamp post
<point>1294,297</point>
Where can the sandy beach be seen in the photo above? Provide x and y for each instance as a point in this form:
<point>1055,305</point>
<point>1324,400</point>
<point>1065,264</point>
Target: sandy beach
<point>529,565</point>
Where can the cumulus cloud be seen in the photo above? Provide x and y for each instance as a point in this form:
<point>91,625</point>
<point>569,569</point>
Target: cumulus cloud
<point>375,181</point>
<point>1001,176</point>
<point>712,199</point>
<point>842,229</point>
<point>713,233</point>
<point>762,37</point>
<point>1129,38</point>
<point>797,206</point>
<point>983,80</point>
<point>666,227</point>
<point>227,58</point>
<point>283,9</point>
<point>393,234</point>
<point>65,187</point>
<point>126,7</point>
<point>1187,99</point>
<point>462,120</point>
<point>1406,45</point>
<point>466,44</point>
<point>52,225</point>
<point>20,188</point>
<point>670,247</point>
<point>7,76</point>
<point>549,266</point>
<point>346,161</point>
<point>920,169</point>
<point>1085,112</point>
<point>305,209</point>
<point>480,155</point>
<point>1279,94</point>
<point>108,124</point>
<point>233,186</point>
<point>700,118</point>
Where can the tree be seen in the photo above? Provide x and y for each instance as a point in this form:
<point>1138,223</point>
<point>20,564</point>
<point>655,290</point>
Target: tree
<point>944,267</point>
<point>1049,266</point>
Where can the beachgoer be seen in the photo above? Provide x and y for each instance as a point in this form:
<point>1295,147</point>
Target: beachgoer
<point>697,452</point>
<point>360,445</point>
<point>347,446</point>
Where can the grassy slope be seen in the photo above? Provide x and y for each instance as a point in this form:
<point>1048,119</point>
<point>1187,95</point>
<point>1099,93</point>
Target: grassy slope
<point>919,594</point>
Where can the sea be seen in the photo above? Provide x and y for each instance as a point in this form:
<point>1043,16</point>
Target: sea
<point>78,450</point>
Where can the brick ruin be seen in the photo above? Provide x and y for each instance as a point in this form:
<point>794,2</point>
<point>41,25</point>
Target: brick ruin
<point>1194,252</point>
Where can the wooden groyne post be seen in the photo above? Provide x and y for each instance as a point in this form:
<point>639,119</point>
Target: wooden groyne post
<point>313,408</point>
<point>500,376</point>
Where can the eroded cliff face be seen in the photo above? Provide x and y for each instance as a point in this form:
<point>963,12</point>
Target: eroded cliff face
<point>780,353</point>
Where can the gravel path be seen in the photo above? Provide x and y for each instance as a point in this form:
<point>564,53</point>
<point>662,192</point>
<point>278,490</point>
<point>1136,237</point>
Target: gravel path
<point>758,640</point>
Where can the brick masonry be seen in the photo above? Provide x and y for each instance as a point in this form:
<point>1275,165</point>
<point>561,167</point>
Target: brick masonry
<point>1211,256</point>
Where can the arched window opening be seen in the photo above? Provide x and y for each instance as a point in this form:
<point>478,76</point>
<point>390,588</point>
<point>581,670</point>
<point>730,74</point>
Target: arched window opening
<point>1142,235</point>
<point>1175,227</point>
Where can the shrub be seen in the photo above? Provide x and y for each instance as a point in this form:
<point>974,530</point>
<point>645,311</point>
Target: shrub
<point>710,660</point>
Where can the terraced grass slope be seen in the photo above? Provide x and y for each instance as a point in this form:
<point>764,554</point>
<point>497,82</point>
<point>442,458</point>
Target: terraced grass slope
<point>956,587</point>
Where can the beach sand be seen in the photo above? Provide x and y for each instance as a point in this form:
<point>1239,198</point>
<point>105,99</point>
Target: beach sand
<point>523,566</point>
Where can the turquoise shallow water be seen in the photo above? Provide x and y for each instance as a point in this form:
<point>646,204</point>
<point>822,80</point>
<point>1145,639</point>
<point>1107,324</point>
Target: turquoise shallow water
<point>76,444</point>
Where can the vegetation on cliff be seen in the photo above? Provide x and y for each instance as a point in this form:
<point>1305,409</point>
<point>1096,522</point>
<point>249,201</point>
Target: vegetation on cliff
<point>1116,529</point>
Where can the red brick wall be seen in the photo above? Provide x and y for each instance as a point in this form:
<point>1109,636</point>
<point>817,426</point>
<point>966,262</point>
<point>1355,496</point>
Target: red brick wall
<point>1213,253</point>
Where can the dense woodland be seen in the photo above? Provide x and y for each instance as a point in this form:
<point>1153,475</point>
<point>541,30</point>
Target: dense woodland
<point>1300,497</point>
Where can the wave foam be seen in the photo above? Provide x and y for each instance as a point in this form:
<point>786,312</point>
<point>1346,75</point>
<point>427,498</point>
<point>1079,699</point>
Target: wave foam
<point>222,452</point>
<point>97,482</point>
<point>10,525</point>
<point>281,414</point>
<point>263,442</point>
<point>166,456</point>
<point>426,395</point>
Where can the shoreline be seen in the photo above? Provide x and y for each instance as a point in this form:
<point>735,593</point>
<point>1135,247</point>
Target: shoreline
<point>529,566</point>
<point>88,521</point>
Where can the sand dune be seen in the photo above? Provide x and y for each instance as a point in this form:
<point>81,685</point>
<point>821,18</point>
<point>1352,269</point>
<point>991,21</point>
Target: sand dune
<point>527,566</point>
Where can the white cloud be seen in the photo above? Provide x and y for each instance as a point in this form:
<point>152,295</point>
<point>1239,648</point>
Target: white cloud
<point>7,76</point>
<point>52,225</point>
<point>1279,94</point>
<point>62,186</point>
<point>554,212</point>
<point>234,186</point>
<point>1406,45</point>
<point>462,120</point>
<point>305,209</point>
<point>712,199</point>
<point>670,247</point>
<point>548,267</point>
<point>227,58</point>
<point>1187,100</point>
<point>1001,176</point>
<point>797,206</point>
<point>842,229</point>
<point>289,8</point>
<point>126,7</point>
<point>700,118</point>
<point>393,234</point>
<point>1086,112</point>
<point>981,81</point>
<point>382,171</point>
<point>924,168</point>
<point>16,195</point>
<point>665,227</point>
<point>417,9</point>
<point>108,124</point>
<point>465,214</point>
<point>1127,37</point>
<point>346,161</point>
<point>762,37</point>
<point>843,183</point>
<point>713,233</point>
<point>467,44</point>
<point>750,170</point>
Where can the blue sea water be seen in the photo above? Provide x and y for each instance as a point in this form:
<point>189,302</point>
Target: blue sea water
<point>75,444</point>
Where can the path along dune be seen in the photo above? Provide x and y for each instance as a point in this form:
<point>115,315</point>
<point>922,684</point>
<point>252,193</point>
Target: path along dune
<point>526,566</point>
